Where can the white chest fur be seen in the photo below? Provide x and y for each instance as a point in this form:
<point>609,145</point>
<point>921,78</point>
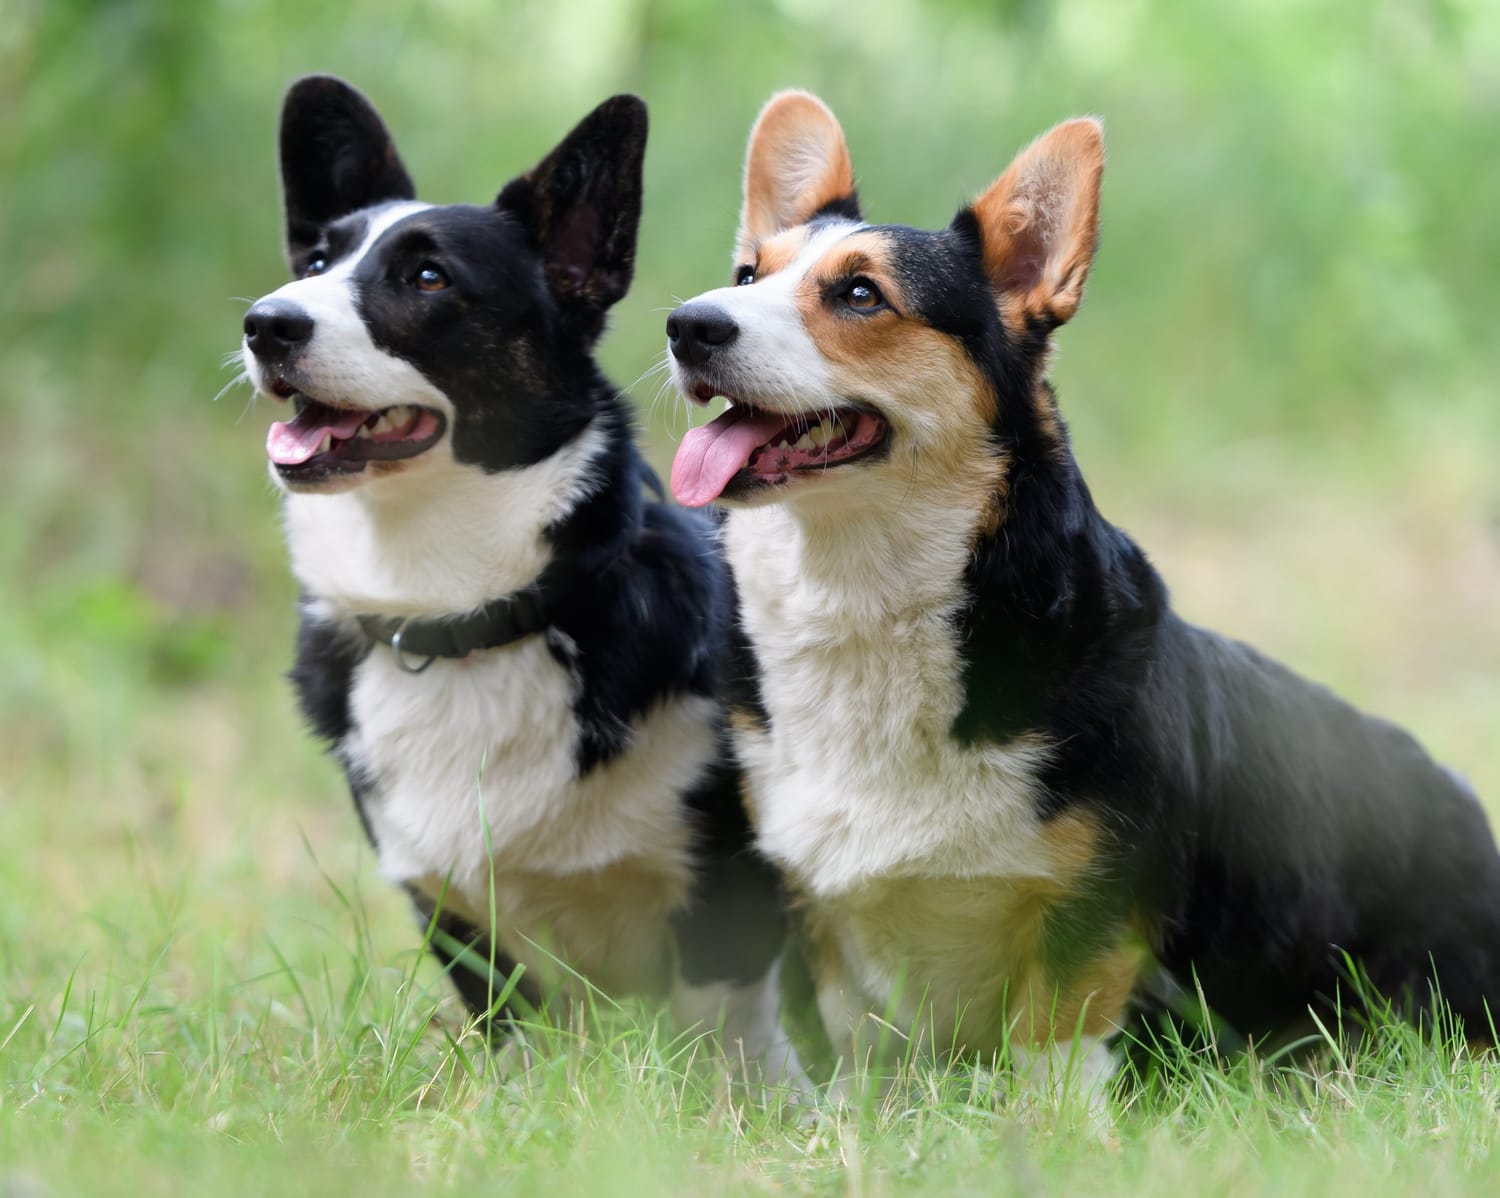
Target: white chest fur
<point>859,778</point>
<point>441,537</point>
<point>475,789</point>
<point>925,868</point>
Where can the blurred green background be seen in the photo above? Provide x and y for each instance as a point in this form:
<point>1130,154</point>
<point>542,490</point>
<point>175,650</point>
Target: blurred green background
<point>1284,378</point>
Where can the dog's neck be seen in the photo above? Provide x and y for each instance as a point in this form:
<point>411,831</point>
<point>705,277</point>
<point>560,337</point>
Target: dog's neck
<point>919,547</point>
<point>892,556</point>
<point>444,540</point>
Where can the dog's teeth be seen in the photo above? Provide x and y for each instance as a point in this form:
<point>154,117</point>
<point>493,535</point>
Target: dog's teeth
<point>821,435</point>
<point>805,441</point>
<point>326,444</point>
<point>782,444</point>
<point>363,433</point>
<point>400,415</point>
<point>383,425</point>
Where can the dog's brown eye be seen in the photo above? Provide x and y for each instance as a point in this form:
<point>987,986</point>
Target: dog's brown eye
<point>316,265</point>
<point>744,275</point>
<point>861,293</point>
<point>430,278</point>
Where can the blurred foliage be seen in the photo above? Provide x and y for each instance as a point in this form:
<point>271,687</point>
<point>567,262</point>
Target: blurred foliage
<point>1299,254</point>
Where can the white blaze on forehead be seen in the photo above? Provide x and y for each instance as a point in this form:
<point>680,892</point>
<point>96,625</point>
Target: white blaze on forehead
<point>380,221</point>
<point>342,364</point>
<point>773,358</point>
<point>306,291</point>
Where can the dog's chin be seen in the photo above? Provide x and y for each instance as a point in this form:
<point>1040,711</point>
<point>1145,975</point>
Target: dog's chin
<point>750,490</point>
<point>319,480</point>
<point>335,478</point>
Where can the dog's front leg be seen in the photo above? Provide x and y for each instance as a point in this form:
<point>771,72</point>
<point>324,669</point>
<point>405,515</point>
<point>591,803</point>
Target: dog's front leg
<point>480,973</point>
<point>729,944</point>
<point>1066,1074</point>
<point>746,1019</point>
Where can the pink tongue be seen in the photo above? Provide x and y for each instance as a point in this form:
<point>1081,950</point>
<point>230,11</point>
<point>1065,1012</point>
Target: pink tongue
<point>710,456</point>
<point>292,442</point>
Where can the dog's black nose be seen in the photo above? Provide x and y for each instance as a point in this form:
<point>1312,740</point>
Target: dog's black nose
<point>276,327</point>
<point>696,329</point>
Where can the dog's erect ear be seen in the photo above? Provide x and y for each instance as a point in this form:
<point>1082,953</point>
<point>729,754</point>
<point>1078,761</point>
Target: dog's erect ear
<point>796,167</point>
<point>336,158</point>
<point>581,205</point>
<point>1040,222</point>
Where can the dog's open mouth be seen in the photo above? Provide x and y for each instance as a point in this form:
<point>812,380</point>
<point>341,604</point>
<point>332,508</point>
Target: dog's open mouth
<point>322,439</point>
<point>749,447</point>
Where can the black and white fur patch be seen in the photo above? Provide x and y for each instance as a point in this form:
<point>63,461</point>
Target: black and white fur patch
<point>566,798</point>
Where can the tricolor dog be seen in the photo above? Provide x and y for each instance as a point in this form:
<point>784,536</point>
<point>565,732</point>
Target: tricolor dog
<point>513,651</point>
<point>1007,785</point>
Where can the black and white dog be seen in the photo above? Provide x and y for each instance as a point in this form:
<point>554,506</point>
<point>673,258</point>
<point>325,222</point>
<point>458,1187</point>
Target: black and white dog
<point>513,651</point>
<point>1006,782</point>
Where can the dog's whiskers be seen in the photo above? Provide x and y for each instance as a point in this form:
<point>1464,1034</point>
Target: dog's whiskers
<point>654,368</point>
<point>242,377</point>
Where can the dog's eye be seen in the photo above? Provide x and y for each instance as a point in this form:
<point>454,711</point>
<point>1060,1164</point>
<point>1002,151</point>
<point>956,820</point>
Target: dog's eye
<point>863,294</point>
<point>316,265</point>
<point>744,276</point>
<point>430,278</point>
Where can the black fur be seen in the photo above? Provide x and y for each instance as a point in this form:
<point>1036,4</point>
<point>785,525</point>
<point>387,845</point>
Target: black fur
<point>1262,827</point>
<point>327,655</point>
<point>581,206</point>
<point>725,934</point>
<point>479,973</point>
<point>639,602</point>
<point>843,208</point>
<point>336,158</point>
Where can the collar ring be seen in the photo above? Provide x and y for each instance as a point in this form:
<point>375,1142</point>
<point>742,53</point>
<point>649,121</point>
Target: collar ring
<point>401,658</point>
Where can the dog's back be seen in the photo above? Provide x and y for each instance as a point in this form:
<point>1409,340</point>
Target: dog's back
<point>1293,822</point>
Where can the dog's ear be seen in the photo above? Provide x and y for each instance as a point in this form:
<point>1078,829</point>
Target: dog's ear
<point>581,205</point>
<point>796,167</point>
<point>336,158</point>
<point>1039,223</point>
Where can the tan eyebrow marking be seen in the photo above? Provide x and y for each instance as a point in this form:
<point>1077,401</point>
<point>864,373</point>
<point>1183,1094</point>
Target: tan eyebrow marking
<point>778,252</point>
<point>862,254</point>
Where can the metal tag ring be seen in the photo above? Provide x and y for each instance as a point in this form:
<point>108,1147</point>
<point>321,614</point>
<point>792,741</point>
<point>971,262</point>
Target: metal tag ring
<point>401,661</point>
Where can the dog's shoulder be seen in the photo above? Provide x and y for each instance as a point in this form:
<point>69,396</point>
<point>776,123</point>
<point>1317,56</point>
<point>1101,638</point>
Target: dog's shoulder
<point>640,617</point>
<point>328,652</point>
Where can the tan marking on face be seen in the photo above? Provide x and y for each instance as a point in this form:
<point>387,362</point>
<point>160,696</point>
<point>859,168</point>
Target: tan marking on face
<point>776,253</point>
<point>1048,419</point>
<point>941,407</point>
<point>991,517</point>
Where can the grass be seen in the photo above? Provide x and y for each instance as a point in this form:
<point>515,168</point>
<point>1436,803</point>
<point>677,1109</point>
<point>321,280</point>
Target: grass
<point>1282,381</point>
<point>182,1060</point>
